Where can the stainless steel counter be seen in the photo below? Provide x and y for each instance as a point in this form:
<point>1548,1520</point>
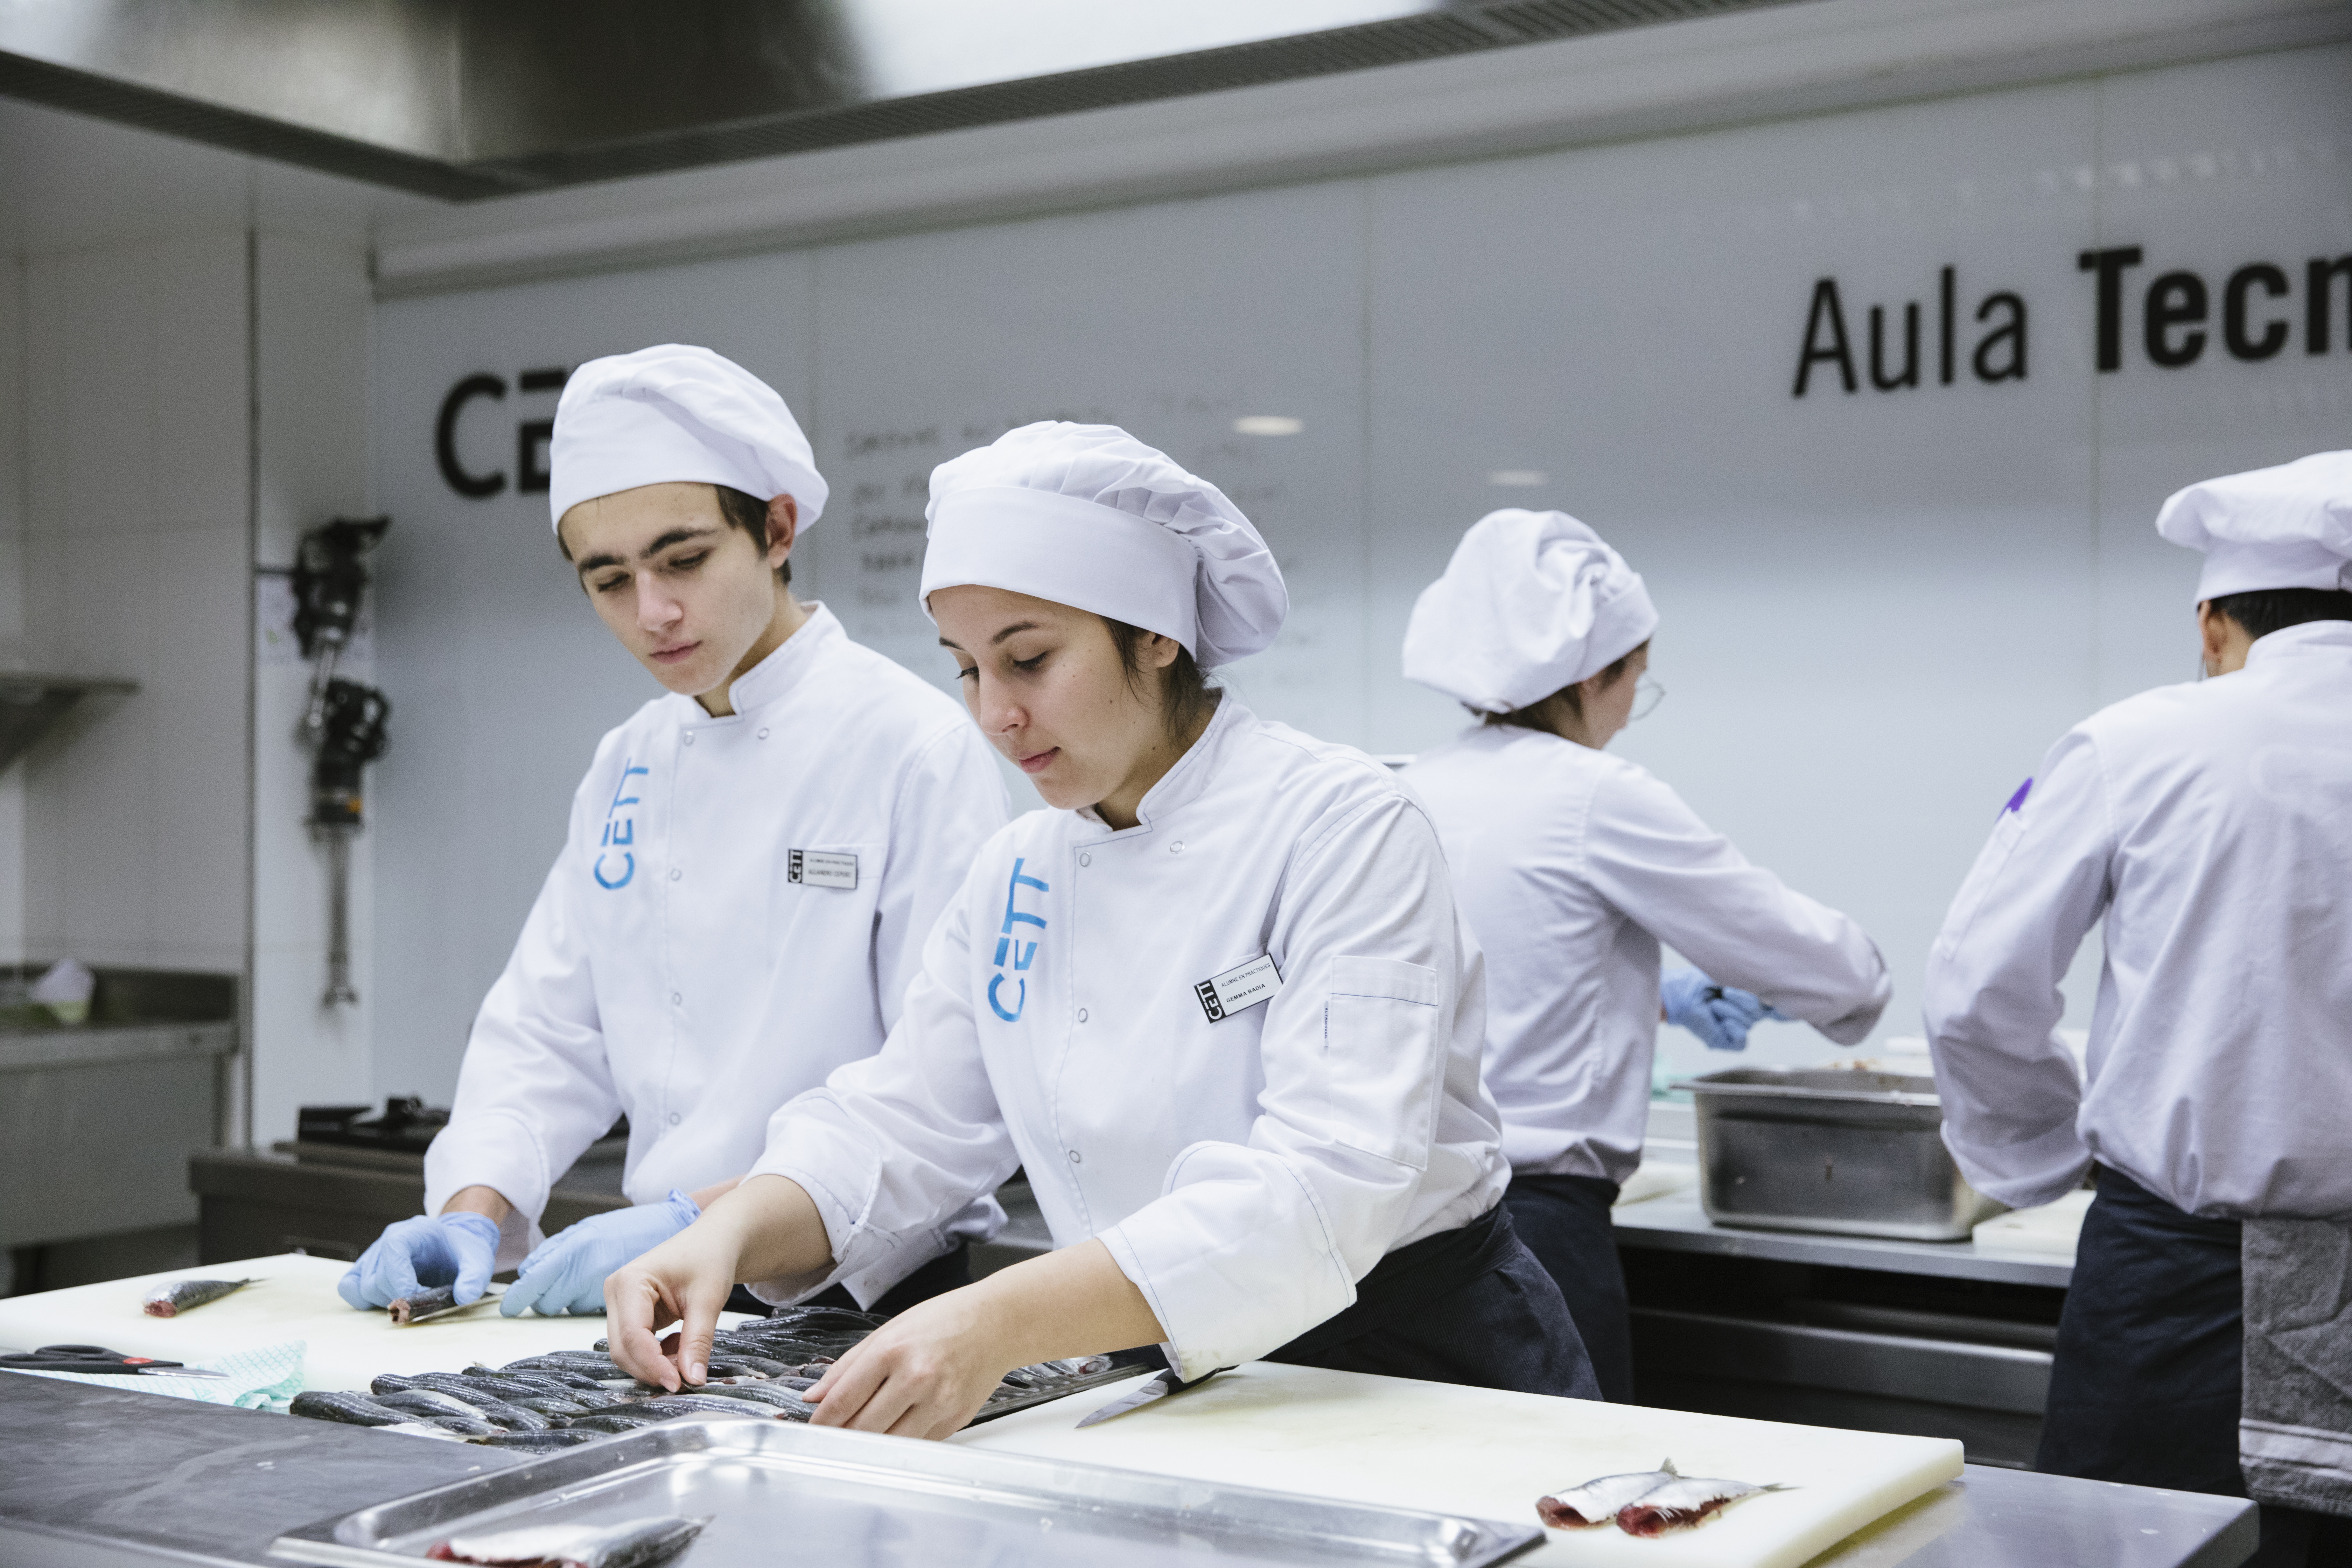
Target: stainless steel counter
<point>92,1477</point>
<point>1677,1224</point>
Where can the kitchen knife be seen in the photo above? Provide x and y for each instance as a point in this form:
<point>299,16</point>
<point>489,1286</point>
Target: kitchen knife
<point>1150,1390</point>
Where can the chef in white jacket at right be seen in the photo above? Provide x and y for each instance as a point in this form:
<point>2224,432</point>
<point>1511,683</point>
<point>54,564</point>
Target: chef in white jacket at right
<point>2207,828</point>
<point>1571,866</point>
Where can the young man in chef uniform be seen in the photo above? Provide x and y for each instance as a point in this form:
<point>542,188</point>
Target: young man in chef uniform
<point>1216,1003</point>
<point>752,863</point>
<point>1572,866</point>
<point>2207,828</point>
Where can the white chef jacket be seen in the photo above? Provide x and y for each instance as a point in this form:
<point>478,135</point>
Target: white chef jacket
<point>675,968</point>
<point>1243,1171</point>
<point>2210,827</point>
<point>1571,866</point>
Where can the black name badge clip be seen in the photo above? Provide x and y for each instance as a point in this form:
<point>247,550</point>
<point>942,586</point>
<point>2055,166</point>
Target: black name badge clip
<point>824,868</point>
<point>1236,989</point>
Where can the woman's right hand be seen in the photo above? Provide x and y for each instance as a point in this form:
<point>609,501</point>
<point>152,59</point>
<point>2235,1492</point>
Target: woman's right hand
<point>685,1280</point>
<point>765,1229</point>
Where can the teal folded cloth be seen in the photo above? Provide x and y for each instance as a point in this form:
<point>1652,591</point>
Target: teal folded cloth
<point>267,1378</point>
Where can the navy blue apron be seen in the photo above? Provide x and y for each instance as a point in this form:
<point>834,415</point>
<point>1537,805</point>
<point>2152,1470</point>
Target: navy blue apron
<point>1469,1306</point>
<point>2146,1384</point>
<point>1564,1220</point>
<point>949,1271</point>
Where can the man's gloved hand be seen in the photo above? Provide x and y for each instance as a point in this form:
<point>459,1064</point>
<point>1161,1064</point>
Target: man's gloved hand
<point>566,1272</point>
<point>455,1249</point>
<point>1718,1014</point>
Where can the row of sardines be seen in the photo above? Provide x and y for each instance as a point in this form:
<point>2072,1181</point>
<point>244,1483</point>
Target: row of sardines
<point>564,1398</point>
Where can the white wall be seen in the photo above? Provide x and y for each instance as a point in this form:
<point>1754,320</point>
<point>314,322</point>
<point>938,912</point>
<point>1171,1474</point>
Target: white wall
<point>136,437</point>
<point>144,468</point>
<point>1879,608</point>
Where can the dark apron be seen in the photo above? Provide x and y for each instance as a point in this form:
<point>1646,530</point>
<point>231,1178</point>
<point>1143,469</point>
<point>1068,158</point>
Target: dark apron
<point>1469,1306</point>
<point>2145,1387</point>
<point>949,1271</point>
<point>1564,1220</point>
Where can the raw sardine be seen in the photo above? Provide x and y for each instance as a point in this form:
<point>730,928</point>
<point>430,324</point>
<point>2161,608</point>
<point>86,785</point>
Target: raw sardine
<point>427,1401</point>
<point>538,1442</point>
<point>768,1395</point>
<point>631,1544</point>
<point>186,1295</point>
<point>1681,1503</point>
<point>424,1304</point>
<point>1598,1500</point>
<point>610,1421</point>
<point>352,1409</point>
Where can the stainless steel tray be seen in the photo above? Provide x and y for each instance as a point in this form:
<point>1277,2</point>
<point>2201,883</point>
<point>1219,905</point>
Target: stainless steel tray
<point>777,1491</point>
<point>1833,1150</point>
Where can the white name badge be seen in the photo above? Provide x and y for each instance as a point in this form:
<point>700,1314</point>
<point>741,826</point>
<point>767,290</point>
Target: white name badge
<point>823,869</point>
<point>1236,989</point>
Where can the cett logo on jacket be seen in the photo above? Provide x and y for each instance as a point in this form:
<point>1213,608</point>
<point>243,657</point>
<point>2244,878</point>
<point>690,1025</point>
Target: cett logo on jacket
<point>620,832</point>
<point>1011,947</point>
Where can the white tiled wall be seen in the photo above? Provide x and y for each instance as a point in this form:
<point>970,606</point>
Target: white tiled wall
<point>12,593</point>
<point>136,423</point>
<point>311,351</point>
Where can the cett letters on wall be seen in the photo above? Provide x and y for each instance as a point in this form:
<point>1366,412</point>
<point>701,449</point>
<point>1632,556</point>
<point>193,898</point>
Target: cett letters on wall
<point>2252,315</point>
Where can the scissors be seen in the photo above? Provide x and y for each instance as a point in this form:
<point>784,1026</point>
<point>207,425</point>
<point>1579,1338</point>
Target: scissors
<point>97,1359</point>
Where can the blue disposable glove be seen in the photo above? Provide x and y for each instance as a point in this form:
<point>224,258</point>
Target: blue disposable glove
<point>1718,1014</point>
<point>455,1249</point>
<point>566,1272</point>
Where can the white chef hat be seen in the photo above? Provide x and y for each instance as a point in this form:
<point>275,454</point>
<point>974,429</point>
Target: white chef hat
<point>1532,601</point>
<point>1087,516</point>
<point>2287,527</point>
<point>672,413</point>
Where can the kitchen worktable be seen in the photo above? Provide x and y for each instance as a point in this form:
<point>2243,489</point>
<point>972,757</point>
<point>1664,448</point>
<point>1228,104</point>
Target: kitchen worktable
<point>91,1477</point>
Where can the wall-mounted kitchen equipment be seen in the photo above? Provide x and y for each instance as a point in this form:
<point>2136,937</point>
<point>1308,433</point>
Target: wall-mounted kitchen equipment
<point>1835,1150</point>
<point>29,704</point>
<point>344,723</point>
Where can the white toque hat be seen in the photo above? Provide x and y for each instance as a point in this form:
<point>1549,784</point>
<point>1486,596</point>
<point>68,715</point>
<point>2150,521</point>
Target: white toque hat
<point>672,413</point>
<point>2287,527</point>
<point>1086,515</point>
<point>1532,601</point>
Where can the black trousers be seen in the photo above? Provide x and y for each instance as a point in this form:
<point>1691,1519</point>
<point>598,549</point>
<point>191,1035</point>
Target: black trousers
<point>1564,1220</point>
<point>2146,1384</point>
<point>1469,1306</point>
<point>948,1271</point>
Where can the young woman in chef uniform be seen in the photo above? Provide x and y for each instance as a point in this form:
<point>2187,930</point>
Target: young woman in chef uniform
<point>2207,828</point>
<point>1216,1003</point>
<point>1571,866</point>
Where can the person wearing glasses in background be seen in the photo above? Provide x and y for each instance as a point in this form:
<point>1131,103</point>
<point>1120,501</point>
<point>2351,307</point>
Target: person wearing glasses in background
<point>1571,867</point>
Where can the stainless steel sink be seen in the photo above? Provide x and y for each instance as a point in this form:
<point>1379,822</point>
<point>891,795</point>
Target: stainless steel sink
<point>1826,1149</point>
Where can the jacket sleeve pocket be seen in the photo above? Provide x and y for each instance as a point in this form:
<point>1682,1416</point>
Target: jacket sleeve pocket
<point>1383,1062</point>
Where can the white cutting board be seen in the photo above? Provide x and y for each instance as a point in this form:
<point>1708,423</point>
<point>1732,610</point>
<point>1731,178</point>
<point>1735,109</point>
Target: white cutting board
<point>2050,1231</point>
<point>295,1299</point>
<point>1489,1454</point>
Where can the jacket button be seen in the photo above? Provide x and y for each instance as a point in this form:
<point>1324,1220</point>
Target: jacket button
<point>1177,848</point>
<point>675,873</point>
<point>689,737</point>
<point>672,1118</point>
<point>1076,1159</point>
<point>675,999</point>
<point>1085,859</point>
<point>1082,1015</point>
<point>763,734</point>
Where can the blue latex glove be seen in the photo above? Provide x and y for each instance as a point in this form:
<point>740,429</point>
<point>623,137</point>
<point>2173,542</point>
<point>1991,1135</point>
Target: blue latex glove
<point>566,1272</point>
<point>455,1249</point>
<point>1719,1015</point>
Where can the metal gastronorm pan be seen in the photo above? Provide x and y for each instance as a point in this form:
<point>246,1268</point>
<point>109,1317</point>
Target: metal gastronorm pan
<point>1829,1149</point>
<point>777,1491</point>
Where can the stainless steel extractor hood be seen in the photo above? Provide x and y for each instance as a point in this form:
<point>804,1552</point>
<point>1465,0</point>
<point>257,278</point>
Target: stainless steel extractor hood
<point>463,99</point>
